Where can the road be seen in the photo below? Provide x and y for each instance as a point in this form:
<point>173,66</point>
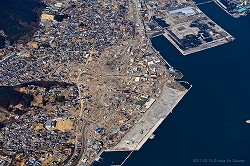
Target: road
<point>7,56</point>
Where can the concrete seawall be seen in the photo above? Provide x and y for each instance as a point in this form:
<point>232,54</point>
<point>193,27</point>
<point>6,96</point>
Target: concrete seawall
<point>150,121</point>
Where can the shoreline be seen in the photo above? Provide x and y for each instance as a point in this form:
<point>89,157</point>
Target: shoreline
<point>178,31</point>
<point>218,4</point>
<point>162,92</point>
<point>154,116</point>
<point>150,121</point>
<point>125,145</point>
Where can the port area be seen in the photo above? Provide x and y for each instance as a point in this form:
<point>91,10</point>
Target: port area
<point>111,84</point>
<point>234,8</point>
<point>155,115</point>
<point>185,26</point>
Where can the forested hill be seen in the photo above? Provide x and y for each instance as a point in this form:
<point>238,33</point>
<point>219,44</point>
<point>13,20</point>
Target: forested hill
<point>20,18</point>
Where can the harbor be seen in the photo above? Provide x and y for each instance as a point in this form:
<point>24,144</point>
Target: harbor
<point>150,121</point>
<point>235,8</point>
<point>187,28</point>
<point>207,112</point>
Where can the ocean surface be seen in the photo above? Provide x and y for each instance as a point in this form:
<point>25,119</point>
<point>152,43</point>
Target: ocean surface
<point>208,125</point>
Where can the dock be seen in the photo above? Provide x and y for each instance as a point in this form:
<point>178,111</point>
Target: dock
<point>150,121</point>
<point>223,7</point>
<point>202,3</point>
<point>189,29</point>
<point>202,47</point>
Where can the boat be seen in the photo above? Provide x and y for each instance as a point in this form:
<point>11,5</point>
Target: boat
<point>243,14</point>
<point>248,121</point>
<point>151,136</point>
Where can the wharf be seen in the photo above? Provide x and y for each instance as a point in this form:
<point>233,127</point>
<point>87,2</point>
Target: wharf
<point>235,15</point>
<point>189,29</point>
<point>202,47</point>
<point>150,121</point>
<point>156,34</point>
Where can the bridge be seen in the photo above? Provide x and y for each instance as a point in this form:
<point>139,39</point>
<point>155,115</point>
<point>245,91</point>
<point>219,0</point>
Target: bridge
<point>202,3</point>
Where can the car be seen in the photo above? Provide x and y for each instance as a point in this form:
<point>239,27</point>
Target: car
<point>84,160</point>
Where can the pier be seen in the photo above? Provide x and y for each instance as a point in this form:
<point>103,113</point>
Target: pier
<point>126,158</point>
<point>223,7</point>
<point>202,3</point>
<point>176,36</point>
<point>156,34</point>
<point>150,121</point>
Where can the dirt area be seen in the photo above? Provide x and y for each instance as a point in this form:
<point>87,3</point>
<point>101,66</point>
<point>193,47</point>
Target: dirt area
<point>32,44</point>
<point>48,161</point>
<point>39,127</point>
<point>64,125</point>
<point>47,16</point>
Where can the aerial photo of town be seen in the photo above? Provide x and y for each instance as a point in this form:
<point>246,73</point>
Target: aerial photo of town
<point>84,78</point>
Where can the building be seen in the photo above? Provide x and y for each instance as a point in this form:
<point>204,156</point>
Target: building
<point>98,130</point>
<point>48,124</point>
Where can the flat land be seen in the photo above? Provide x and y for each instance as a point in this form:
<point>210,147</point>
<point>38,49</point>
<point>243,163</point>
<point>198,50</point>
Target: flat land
<point>150,121</point>
<point>189,29</point>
